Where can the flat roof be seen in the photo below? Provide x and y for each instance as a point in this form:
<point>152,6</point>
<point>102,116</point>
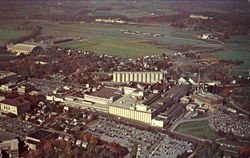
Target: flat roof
<point>125,102</point>
<point>173,108</point>
<point>208,95</point>
<point>40,134</point>
<point>161,98</point>
<point>138,72</point>
<point>105,92</point>
<point>160,117</point>
<point>31,142</point>
<point>159,86</point>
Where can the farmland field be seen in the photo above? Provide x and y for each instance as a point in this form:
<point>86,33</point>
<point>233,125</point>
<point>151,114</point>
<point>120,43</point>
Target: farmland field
<point>9,34</point>
<point>108,38</point>
<point>236,55</point>
<point>73,45</point>
<point>115,46</point>
<point>197,129</point>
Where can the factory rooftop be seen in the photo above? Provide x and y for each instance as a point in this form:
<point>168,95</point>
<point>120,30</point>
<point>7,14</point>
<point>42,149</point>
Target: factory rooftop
<point>40,134</point>
<point>138,72</point>
<point>125,102</point>
<point>207,95</point>
<point>159,86</point>
<point>19,101</point>
<point>105,92</point>
<point>166,98</point>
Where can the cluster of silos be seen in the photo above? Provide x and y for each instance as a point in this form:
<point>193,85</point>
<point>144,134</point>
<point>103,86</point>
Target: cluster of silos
<point>145,77</point>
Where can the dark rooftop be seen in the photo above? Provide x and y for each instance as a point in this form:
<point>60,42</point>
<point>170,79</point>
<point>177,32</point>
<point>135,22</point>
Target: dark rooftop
<point>40,134</point>
<point>18,101</point>
<point>159,86</point>
<point>105,92</point>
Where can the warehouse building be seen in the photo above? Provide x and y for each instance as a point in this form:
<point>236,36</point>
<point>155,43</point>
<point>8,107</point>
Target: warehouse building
<point>160,121</point>
<point>16,106</point>
<point>162,101</point>
<point>208,100</point>
<point>25,49</point>
<point>103,95</point>
<point>144,77</point>
<point>137,103</point>
<point>25,88</point>
<point>130,108</point>
<point>34,139</point>
<point>145,110</point>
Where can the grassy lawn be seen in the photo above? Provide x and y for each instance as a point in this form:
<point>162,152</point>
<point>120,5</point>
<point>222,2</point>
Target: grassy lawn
<point>121,47</point>
<point>115,46</point>
<point>73,45</point>
<point>197,129</point>
<point>107,38</point>
<point>9,34</point>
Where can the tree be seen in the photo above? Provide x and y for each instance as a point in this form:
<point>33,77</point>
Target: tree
<point>118,148</point>
<point>244,152</point>
<point>94,140</point>
<point>86,137</point>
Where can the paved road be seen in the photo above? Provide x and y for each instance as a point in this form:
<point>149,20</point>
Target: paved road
<point>182,120</point>
<point>238,108</point>
<point>151,149</point>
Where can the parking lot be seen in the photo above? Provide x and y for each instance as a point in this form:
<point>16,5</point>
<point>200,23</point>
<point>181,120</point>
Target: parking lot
<point>171,148</point>
<point>17,127</point>
<point>149,144</point>
<point>230,123</point>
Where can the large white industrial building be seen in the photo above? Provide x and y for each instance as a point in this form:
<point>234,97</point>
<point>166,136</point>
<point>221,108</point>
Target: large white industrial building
<point>147,110</point>
<point>132,102</point>
<point>16,106</point>
<point>145,77</point>
<point>130,108</point>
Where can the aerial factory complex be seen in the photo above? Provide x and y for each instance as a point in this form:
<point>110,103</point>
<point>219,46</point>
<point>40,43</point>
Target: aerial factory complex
<point>124,79</point>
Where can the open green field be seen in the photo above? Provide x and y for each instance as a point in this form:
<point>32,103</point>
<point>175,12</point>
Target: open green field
<point>236,48</point>
<point>107,38</point>
<point>115,46</point>
<point>7,34</point>
<point>197,129</point>
<point>73,45</point>
<point>236,55</point>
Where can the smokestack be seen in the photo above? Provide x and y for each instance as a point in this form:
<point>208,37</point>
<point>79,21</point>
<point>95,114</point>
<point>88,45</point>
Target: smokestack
<point>203,85</point>
<point>199,80</point>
